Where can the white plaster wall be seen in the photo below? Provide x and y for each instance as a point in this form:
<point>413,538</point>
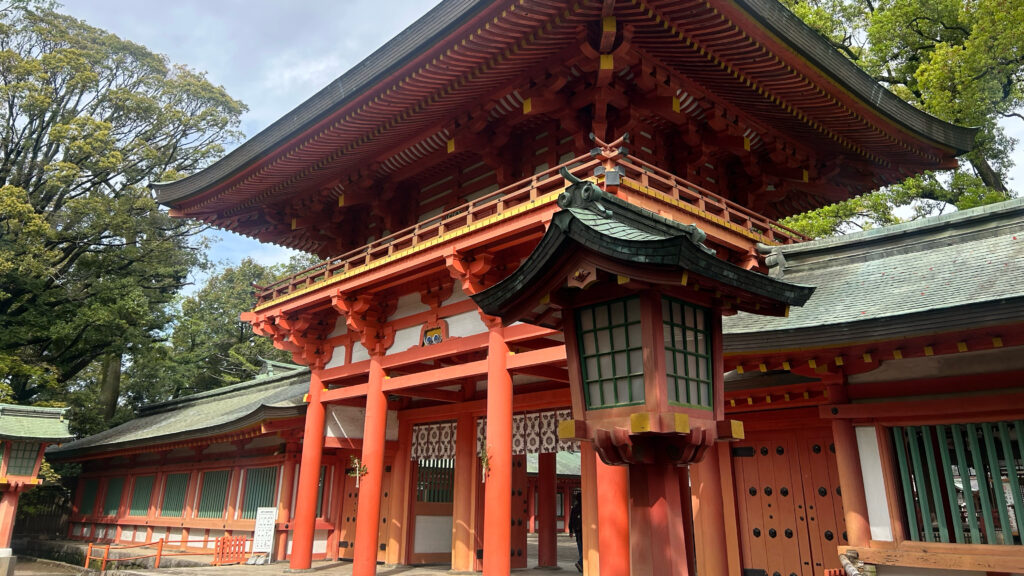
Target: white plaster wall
<point>211,539</point>
<point>175,535</point>
<point>337,358</point>
<point>359,353</point>
<point>347,422</point>
<point>128,533</point>
<point>457,295</point>
<point>320,542</point>
<point>410,304</point>
<point>874,483</point>
<point>406,338</point>
<point>289,543</point>
<point>140,534</point>
<point>339,328</point>
<point>433,534</point>
<point>465,324</point>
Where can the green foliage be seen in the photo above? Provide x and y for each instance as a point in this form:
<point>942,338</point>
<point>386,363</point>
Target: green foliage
<point>89,264</point>
<point>960,60</point>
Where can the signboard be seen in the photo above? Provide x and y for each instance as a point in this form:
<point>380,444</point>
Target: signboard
<point>263,535</point>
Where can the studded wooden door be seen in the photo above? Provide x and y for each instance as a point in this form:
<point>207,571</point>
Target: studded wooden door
<point>520,512</point>
<point>349,508</point>
<point>788,503</point>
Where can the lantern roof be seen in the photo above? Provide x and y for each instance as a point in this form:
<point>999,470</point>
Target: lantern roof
<point>633,244</point>
<point>33,423</point>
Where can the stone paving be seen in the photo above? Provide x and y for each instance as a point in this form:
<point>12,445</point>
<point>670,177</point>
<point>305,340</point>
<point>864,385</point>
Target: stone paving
<point>566,558</point>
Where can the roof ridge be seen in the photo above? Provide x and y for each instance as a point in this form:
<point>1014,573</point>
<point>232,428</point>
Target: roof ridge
<point>261,380</point>
<point>912,236</point>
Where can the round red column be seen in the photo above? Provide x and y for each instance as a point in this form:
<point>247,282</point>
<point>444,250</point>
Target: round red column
<point>498,490</point>
<point>364,560</point>
<point>851,480</point>
<point>309,478</point>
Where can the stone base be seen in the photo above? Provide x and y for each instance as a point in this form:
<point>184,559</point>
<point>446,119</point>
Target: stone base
<point>7,565</point>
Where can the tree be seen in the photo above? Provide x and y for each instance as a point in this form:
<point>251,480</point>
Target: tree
<point>209,345</point>
<point>960,60</point>
<point>89,264</point>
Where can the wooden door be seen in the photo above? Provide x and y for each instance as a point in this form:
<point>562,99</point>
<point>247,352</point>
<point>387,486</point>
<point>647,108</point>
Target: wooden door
<point>432,511</point>
<point>349,508</point>
<point>789,508</point>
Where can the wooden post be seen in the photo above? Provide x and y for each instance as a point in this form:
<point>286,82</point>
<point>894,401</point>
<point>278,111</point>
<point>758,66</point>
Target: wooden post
<point>613,518</point>
<point>400,482</point>
<point>309,477</point>
<point>466,463</point>
<point>88,556</point>
<point>656,524</point>
<point>851,481</point>
<point>705,482</point>
<point>284,504</point>
<point>589,508</point>
<point>8,508</point>
<point>364,561</point>
<point>159,553</point>
<point>498,490</point>
<point>547,545</point>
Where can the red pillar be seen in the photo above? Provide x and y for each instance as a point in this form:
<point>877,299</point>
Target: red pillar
<point>466,463</point>
<point>309,478</point>
<point>851,481</point>
<point>364,560</point>
<point>547,546</point>
<point>656,523</point>
<point>284,504</point>
<point>498,495</point>
<point>613,519</point>
<point>8,507</point>
<point>708,512</point>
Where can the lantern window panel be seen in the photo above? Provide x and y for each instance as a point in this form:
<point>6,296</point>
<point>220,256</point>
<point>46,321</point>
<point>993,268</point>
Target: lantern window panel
<point>611,353</point>
<point>687,354</point>
<point>23,457</point>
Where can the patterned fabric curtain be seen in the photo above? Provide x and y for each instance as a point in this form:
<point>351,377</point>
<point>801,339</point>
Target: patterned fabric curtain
<point>533,433</point>
<point>435,440</point>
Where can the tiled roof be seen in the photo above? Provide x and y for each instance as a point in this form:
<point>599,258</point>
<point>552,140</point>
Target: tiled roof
<point>277,394</point>
<point>904,279</point>
<point>33,423</point>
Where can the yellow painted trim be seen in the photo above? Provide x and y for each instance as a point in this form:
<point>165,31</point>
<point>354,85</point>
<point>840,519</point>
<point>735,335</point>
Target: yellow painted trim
<point>681,423</point>
<point>527,105</point>
<point>567,429</point>
<point>450,145</point>
<point>607,62</point>
<point>839,360</point>
<point>812,364</point>
<point>462,231</point>
<point>897,354</point>
<point>639,422</point>
<point>997,342</point>
<point>961,346</point>
<point>785,365</point>
<point>608,24</point>
<point>620,279</point>
<point>703,214</point>
<point>867,357</point>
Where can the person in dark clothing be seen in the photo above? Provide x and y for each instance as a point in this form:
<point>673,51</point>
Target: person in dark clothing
<point>576,527</point>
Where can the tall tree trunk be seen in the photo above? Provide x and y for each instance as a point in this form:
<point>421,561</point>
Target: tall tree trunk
<point>110,384</point>
<point>987,174</point>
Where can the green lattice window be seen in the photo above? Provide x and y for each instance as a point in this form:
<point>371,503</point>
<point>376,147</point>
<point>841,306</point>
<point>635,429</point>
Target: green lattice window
<point>22,458</point>
<point>435,480</point>
<point>687,353</point>
<point>260,490</point>
<point>213,493</point>
<point>87,502</point>
<point>962,483</point>
<point>611,353</point>
<point>173,503</point>
<point>142,492</point>
<point>112,497</point>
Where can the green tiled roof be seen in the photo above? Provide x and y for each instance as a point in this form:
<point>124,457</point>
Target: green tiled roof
<point>935,274</point>
<point>33,423</point>
<point>277,393</point>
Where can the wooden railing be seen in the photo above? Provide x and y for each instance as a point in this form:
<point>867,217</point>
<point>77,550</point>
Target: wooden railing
<point>721,210</point>
<point>708,205</point>
<point>227,550</point>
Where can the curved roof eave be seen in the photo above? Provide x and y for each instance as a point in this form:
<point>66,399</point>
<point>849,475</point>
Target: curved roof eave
<point>393,54</point>
<point>791,30</point>
<point>422,33</point>
<point>263,413</point>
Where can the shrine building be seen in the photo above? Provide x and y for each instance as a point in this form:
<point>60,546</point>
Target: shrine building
<point>549,227</point>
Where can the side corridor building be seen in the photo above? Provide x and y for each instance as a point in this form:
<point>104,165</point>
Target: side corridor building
<point>884,415</point>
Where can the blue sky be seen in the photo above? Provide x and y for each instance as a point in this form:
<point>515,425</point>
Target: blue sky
<point>273,55</point>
